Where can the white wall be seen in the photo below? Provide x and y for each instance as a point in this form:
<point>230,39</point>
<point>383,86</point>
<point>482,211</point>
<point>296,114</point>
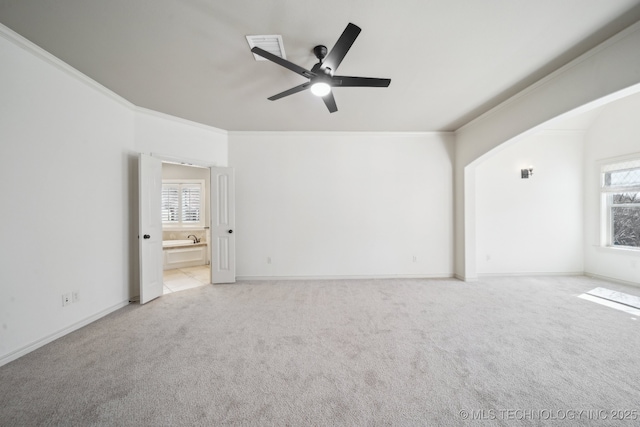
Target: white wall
<point>68,175</point>
<point>66,163</point>
<point>343,204</point>
<point>615,133</point>
<point>531,226</point>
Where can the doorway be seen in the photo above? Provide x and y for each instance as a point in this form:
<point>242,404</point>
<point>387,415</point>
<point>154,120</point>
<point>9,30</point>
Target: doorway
<point>218,228</point>
<point>186,237</point>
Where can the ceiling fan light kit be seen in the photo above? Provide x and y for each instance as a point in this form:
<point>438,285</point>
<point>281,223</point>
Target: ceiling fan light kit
<point>320,89</point>
<point>321,76</point>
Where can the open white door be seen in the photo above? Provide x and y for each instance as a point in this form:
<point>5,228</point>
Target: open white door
<point>223,238</point>
<point>150,227</point>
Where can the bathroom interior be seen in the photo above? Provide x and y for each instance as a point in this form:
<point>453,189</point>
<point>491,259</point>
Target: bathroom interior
<point>186,253</point>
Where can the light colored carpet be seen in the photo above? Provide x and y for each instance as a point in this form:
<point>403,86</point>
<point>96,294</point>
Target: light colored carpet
<point>361,352</point>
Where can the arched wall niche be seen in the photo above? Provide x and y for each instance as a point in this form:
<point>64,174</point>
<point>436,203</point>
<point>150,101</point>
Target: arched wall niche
<point>608,72</point>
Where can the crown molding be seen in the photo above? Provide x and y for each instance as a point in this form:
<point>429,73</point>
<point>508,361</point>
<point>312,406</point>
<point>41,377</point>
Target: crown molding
<point>23,43</point>
<point>175,119</point>
<point>342,133</point>
<point>47,57</point>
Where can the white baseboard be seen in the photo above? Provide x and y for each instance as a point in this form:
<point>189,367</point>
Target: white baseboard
<point>576,273</point>
<point>611,279</point>
<point>531,274</point>
<point>49,338</point>
<point>390,276</point>
<point>465,278</point>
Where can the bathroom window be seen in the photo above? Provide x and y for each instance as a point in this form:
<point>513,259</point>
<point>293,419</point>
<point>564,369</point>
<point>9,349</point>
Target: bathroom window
<point>621,204</point>
<point>182,203</point>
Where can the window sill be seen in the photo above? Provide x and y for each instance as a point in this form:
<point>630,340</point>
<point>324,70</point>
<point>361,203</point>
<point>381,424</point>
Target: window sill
<point>622,250</point>
<point>183,227</point>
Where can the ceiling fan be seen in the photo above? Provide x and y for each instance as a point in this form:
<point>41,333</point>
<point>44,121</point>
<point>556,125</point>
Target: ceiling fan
<point>322,77</point>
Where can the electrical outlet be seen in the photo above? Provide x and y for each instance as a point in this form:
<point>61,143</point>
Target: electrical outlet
<point>268,260</point>
<point>415,258</point>
<point>75,296</point>
<point>66,299</point>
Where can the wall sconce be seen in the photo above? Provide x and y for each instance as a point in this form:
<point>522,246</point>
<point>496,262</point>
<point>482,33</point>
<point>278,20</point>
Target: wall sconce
<point>526,173</point>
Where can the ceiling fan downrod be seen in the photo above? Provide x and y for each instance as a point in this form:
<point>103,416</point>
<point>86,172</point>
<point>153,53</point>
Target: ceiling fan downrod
<point>320,52</point>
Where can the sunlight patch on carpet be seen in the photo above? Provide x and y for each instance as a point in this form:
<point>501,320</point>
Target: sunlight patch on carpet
<point>613,299</point>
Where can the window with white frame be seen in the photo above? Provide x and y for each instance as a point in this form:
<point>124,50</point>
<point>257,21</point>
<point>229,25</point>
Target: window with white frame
<point>183,203</point>
<point>621,203</point>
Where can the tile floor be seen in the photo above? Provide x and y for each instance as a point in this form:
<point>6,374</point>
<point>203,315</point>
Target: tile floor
<point>181,279</point>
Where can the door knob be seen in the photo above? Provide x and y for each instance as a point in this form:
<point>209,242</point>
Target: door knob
<point>146,236</point>
<point>230,231</point>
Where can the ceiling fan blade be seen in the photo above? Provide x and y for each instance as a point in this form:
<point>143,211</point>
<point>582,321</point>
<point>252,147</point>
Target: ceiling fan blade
<point>291,91</point>
<point>330,102</point>
<point>335,57</point>
<point>347,81</point>
<point>283,62</point>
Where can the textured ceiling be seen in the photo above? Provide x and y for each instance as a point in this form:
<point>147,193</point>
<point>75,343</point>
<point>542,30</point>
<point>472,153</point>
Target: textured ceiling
<point>449,60</point>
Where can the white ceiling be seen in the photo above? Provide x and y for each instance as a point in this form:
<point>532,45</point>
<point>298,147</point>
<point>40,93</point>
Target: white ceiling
<point>449,60</point>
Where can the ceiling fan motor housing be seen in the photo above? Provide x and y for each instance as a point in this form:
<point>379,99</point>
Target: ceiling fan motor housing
<point>320,52</point>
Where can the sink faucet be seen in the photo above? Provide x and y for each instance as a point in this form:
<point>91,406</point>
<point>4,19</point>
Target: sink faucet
<point>195,239</point>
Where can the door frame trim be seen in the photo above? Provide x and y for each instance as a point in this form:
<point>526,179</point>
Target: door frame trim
<point>185,161</point>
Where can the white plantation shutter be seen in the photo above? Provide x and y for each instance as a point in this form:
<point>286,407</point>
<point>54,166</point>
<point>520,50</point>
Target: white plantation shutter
<point>170,202</point>
<point>191,203</point>
<point>182,204</point>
